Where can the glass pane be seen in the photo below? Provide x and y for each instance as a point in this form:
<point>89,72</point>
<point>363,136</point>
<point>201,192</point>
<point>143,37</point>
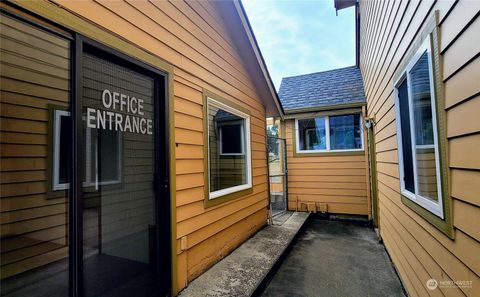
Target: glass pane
<point>111,155</point>
<point>423,124</point>
<point>345,132</point>
<point>65,148</point>
<point>406,138</point>
<point>228,163</point>
<point>312,134</point>
<point>231,143</point>
<point>119,199</point>
<point>104,157</point>
<point>33,202</point>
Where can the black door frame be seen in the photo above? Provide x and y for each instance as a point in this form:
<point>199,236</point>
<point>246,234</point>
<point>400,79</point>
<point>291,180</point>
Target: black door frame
<point>162,148</point>
<point>161,182</point>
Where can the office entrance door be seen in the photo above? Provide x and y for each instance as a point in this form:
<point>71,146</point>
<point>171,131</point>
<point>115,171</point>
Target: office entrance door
<point>122,159</point>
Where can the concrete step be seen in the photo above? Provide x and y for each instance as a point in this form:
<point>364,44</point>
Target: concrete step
<point>246,269</point>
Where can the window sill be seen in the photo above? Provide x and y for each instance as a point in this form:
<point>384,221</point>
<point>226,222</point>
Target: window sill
<point>444,225</point>
<point>330,153</point>
<point>429,205</point>
<point>224,198</point>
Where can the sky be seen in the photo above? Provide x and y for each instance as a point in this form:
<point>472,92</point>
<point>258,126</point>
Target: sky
<point>302,36</point>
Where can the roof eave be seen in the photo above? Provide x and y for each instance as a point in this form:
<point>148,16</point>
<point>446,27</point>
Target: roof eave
<point>341,4</point>
<point>258,55</point>
<point>325,108</point>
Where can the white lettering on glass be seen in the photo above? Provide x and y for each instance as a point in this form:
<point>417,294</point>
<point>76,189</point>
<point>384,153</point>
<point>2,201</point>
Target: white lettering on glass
<point>90,117</point>
<point>108,103</point>
<point>115,99</point>
<point>132,121</point>
<point>140,106</point>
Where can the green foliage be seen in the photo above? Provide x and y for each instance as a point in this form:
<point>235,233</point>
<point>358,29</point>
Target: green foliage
<point>272,135</point>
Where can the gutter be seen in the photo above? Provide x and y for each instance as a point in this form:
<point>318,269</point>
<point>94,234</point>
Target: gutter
<point>291,112</point>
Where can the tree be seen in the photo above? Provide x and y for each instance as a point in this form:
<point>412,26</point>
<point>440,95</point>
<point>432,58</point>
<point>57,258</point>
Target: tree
<point>272,135</point>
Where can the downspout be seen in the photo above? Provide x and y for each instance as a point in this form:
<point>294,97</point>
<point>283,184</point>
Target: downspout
<point>370,123</point>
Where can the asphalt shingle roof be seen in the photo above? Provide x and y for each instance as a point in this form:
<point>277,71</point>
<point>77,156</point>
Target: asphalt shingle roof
<point>320,89</point>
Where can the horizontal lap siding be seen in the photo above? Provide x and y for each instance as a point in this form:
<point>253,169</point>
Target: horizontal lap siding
<point>194,39</point>
<point>34,75</point>
<point>418,249</point>
<point>338,181</point>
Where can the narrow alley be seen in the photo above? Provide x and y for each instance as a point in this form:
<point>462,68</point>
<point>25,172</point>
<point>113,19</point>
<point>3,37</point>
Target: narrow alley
<point>336,258</point>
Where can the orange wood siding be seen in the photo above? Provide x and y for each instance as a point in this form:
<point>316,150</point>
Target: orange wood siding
<point>34,77</point>
<point>193,37</point>
<point>418,249</point>
<point>338,181</point>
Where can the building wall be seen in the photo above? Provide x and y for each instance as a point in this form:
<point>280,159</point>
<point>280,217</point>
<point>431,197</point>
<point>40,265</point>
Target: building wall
<point>418,250</point>
<point>193,38</point>
<point>33,221</point>
<point>340,181</point>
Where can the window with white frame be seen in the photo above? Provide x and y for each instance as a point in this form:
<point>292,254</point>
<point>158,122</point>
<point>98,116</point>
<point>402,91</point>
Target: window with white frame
<point>103,157</point>
<point>61,149</point>
<point>229,158</point>
<point>103,154</point>
<point>329,133</point>
<point>418,150</point>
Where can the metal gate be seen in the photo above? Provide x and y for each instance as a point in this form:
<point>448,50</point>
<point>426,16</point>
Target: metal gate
<point>277,168</point>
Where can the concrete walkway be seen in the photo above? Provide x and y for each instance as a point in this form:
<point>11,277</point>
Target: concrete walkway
<point>241,272</point>
<point>334,258</point>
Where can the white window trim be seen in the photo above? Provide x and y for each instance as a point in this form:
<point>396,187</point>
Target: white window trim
<point>432,206</point>
<point>56,185</point>
<point>327,136</point>
<point>223,192</point>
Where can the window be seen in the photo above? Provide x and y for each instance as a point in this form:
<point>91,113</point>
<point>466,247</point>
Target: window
<point>312,134</point>
<point>345,132</point>
<point>104,157</point>
<point>329,133</point>
<point>61,149</point>
<point>228,149</point>
<point>229,130</point>
<point>417,133</point>
<point>103,154</point>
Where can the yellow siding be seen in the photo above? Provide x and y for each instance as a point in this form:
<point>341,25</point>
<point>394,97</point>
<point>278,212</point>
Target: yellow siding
<point>34,77</point>
<point>338,181</point>
<point>418,249</point>
<point>193,37</point>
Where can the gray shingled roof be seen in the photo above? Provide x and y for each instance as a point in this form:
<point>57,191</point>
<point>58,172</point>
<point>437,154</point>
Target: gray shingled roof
<point>320,89</point>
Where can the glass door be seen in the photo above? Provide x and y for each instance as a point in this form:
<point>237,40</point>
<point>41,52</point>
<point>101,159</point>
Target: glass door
<point>119,228</point>
<point>84,148</point>
<point>34,160</point>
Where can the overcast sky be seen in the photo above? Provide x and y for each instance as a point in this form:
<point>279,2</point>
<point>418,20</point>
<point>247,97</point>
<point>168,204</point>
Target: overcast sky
<point>302,36</point>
